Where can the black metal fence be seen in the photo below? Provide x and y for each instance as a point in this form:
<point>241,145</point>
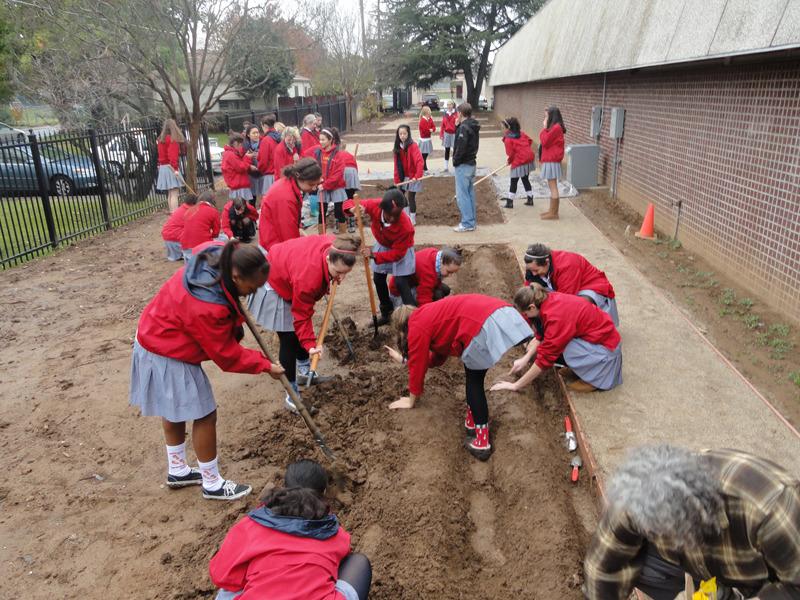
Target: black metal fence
<point>65,185</point>
<point>334,114</point>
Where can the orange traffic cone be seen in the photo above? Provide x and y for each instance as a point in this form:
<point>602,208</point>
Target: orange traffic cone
<point>646,232</point>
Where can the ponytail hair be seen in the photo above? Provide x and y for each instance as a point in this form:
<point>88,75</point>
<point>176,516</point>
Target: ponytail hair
<point>512,124</point>
<point>400,327</point>
<point>305,169</point>
<point>452,256</point>
<point>345,249</point>
<point>304,503</point>
<point>393,197</point>
<point>534,294</point>
<point>247,260</point>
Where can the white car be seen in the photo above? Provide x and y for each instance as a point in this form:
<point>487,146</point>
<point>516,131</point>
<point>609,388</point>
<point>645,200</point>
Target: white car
<point>123,154</point>
<point>483,103</point>
<point>216,154</point>
<point>12,135</point>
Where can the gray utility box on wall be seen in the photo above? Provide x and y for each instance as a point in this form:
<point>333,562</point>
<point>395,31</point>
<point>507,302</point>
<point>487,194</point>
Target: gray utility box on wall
<point>582,161</point>
<point>617,124</point>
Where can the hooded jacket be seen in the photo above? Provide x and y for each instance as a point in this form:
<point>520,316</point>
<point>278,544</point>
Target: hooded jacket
<point>552,141</point>
<point>266,151</point>
<point>235,168</point>
<point>281,558</point>
<point>398,236</point>
<point>231,219</point>
<point>465,148</point>
<point>280,213</point>
<point>426,278</point>
<point>519,149</point>
<point>570,273</point>
<point>201,224</point>
<point>283,156</point>
<point>168,152</point>
<point>408,163</point>
<point>173,227</point>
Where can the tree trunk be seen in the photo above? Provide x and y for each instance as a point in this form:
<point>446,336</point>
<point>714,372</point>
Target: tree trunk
<point>472,92</point>
<point>192,144</point>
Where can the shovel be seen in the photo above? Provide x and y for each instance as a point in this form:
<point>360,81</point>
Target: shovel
<point>383,188</point>
<point>312,372</point>
<point>576,464</point>
<point>367,270</point>
<point>485,177</point>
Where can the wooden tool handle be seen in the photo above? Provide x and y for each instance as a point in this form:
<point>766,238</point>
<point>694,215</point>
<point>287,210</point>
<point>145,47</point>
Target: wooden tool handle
<point>355,151</point>
<point>415,180</point>
<point>324,329</point>
<point>367,271</point>
<point>498,169</point>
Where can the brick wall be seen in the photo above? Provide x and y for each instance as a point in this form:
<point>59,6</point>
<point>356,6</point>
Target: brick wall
<point>724,138</point>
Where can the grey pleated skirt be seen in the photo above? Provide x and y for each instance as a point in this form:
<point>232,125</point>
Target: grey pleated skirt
<point>187,254</point>
<point>448,140</point>
<point>522,170</point>
<point>604,303</point>
<point>425,146</point>
<point>412,187</point>
<point>173,250</point>
<point>335,196</point>
<point>551,170</point>
<point>243,193</point>
<point>258,186</point>
<point>404,266</point>
<point>169,388</point>
<point>351,179</point>
<point>167,180</point>
<point>271,311</point>
<point>267,181</point>
<point>504,329</point>
<point>594,363</point>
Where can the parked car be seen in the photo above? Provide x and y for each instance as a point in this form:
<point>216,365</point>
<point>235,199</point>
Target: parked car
<point>431,101</point>
<point>11,135</point>
<point>66,173</point>
<point>483,103</point>
<point>216,154</point>
<point>124,154</point>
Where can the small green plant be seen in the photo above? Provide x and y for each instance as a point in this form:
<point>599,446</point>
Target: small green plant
<point>746,303</point>
<point>794,377</point>
<point>779,347</point>
<point>728,297</point>
<point>751,321</point>
<point>662,255</point>
<point>779,330</point>
<point>762,339</point>
<point>681,268</point>
<point>675,244</point>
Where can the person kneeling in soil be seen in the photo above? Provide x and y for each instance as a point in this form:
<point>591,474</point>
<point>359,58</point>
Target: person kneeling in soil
<point>291,547</point>
<point>200,223</point>
<point>196,316</point>
<point>570,273</point>
<point>173,229</point>
<point>301,273</point>
<point>671,512</point>
<point>479,329</point>
<point>577,330</point>
<point>432,265</point>
<point>239,220</point>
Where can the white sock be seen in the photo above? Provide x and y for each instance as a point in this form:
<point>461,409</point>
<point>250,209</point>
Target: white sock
<point>176,460</point>
<point>212,480</point>
<point>303,366</point>
<point>413,218</point>
<point>445,164</point>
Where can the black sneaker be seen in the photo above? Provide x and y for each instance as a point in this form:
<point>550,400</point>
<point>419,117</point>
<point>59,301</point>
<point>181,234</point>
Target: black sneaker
<point>193,477</point>
<point>230,490</point>
<point>302,380</point>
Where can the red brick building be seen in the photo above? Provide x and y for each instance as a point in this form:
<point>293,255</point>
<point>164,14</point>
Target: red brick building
<point>712,117</point>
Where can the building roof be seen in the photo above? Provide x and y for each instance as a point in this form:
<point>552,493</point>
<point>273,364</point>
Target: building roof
<point>579,37</point>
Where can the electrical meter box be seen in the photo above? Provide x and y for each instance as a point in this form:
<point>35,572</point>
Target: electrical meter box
<point>582,161</point>
<point>617,123</point>
<point>597,121</point>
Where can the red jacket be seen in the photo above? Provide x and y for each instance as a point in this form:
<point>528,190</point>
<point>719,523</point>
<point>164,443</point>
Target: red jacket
<point>168,152</point>
<point>250,212</point>
<point>308,138</point>
<point>426,127</point>
<point>299,274</point>
<point>333,169</point>
<point>282,157</point>
<point>277,563</point>
<point>266,151</point>
<point>411,160</point>
<point>200,224</point>
<point>348,160</point>
<point>193,319</point>
<point>518,149</point>
<point>448,124</point>
<point>399,236</point>
<point>570,273</point>
<point>280,213</point>
<point>235,168</point>
<point>566,317</point>
<point>173,228</point>
<point>552,141</point>
<point>444,328</point>
<point>426,278</point>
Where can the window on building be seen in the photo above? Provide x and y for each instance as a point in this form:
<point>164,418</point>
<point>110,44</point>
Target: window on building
<point>296,91</point>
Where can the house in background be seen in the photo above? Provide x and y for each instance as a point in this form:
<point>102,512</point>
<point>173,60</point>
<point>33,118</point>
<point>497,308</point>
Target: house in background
<point>237,102</point>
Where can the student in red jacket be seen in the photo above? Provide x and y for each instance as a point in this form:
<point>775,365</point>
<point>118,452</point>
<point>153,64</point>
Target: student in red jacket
<point>239,220</point>
<point>574,329</point>
<point>270,138</point>
<point>236,165</point>
<point>432,266</point>
<point>173,228</point>
<point>479,329</point>
<point>169,150</point>
<point>447,132</point>
<point>426,128</point>
<point>519,151</point>
<point>301,272</point>
<point>196,316</point>
<point>201,223</point>
<point>309,134</point>
<point>290,547</point>
<point>352,181</point>
<point>287,151</point>
<point>282,206</point>
<point>552,153</point>
<point>332,188</point>
<point>393,252</point>
<point>408,166</point>
<point>570,273</point>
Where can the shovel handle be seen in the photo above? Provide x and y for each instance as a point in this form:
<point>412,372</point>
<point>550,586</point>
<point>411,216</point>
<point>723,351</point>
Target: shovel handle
<point>367,270</point>
<point>324,329</point>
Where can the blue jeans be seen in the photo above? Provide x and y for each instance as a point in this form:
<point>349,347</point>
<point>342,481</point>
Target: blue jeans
<point>465,195</point>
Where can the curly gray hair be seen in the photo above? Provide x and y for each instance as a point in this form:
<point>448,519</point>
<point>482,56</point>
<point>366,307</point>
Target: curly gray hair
<point>669,493</point>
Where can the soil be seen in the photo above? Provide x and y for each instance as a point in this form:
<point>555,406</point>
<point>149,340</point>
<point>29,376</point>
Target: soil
<point>83,512</point>
<point>759,341</point>
<point>436,204</point>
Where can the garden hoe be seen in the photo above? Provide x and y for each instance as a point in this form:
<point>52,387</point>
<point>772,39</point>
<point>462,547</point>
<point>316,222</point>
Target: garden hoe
<point>382,188</point>
<point>485,177</point>
<point>367,271</point>
<point>321,337</point>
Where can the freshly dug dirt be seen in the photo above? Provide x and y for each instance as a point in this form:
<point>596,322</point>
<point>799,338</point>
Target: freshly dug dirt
<point>84,513</point>
<point>436,203</point>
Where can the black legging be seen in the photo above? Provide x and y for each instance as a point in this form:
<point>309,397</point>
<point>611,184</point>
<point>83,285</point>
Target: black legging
<point>526,183</point>
<point>338,212</point>
<point>403,286</point>
<point>447,153</point>
<point>356,570</point>
<point>350,193</point>
<point>412,201</point>
<point>476,395</point>
<point>425,161</point>
<point>290,351</point>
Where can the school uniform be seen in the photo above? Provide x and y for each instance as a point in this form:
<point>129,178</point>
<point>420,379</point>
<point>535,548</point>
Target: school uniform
<point>332,164</point>
<point>192,318</point>
<point>584,335</point>
<point>552,141</point>
<point>280,216</point>
<point>168,154</point>
<point>201,224</point>
<point>171,233</point>
<point>408,164</point>
<point>426,282</point>
<point>309,138</point>
<point>351,179</point>
<point>266,555</point>
<point>233,225</point>
<point>283,156</point>
<point>256,177</point>
<point>571,273</point>
<point>519,152</point>
<point>264,160</point>
<point>236,173</point>
<point>447,133</point>
<point>426,127</point>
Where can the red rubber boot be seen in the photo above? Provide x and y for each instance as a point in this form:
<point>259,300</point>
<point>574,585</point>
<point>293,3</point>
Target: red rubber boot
<point>480,447</point>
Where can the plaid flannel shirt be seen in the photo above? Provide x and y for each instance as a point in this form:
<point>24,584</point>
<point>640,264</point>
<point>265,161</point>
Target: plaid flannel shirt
<point>757,550</point>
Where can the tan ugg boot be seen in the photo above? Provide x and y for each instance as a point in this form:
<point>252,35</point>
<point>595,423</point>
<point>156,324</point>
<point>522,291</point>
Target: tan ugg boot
<point>552,214</point>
